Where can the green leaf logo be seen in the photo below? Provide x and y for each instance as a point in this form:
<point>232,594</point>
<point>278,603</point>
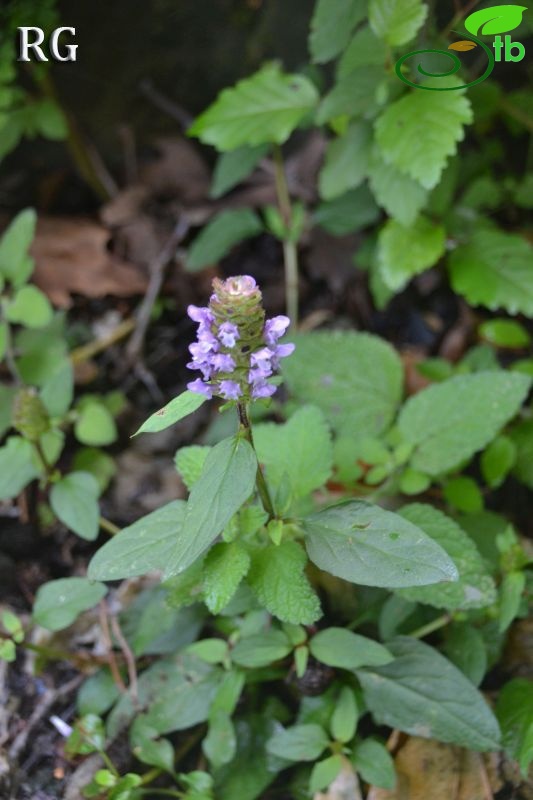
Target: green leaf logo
<point>497,19</point>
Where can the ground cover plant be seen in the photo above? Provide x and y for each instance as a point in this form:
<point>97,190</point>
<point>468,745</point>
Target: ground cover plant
<point>332,599</point>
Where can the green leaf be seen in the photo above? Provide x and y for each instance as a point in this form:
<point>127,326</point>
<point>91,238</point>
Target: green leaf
<point>366,544</point>
<point>498,460</point>
<point>278,580</point>
<point>220,744</point>
<point>224,568</point>
<point>400,196</point>
<point>405,252</point>
<point>324,773</point>
<point>87,737</point>
<point>95,425</point>
<point>496,19</point>
<point>261,649</point>
<point>515,715</point>
<point>348,213</point>
<point>364,50</point>
<point>226,482</point>
<point>58,390</point>
<point>59,603</point>
<point>396,21</point>
<point>299,743</point>
<point>423,694</point>
<point>374,763</point>
<point>264,108</point>
<point>299,450</point>
<point>51,121</point>
<point>220,235</point>
<point>17,467</point>
<point>232,167</point>
<point>30,307</point>
<point>8,651</point>
<point>338,647</point>
<point>465,647</point>
<point>252,770</point>
<point>15,264</point>
<point>98,463</point>
<point>522,436</point>
<point>74,500</point>
<point>212,651</point>
<point>511,591</point>
<point>140,548</point>
<point>494,270</point>
<point>352,97</point>
<point>474,588</point>
<point>181,406</point>
<point>355,378</point>
<point>344,718</point>
<point>448,422</point>
<point>463,494</point>
<point>331,26</point>
<point>413,482</point>
<point>398,133</point>
<point>346,161</point>
<point>98,693</point>
<point>190,463</point>
<point>505,333</point>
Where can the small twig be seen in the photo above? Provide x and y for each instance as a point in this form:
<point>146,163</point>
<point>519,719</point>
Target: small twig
<point>109,527</point>
<point>458,16</point>
<point>81,354</point>
<point>129,658</point>
<point>113,666</point>
<point>290,252</point>
<point>432,626</point>
<point>163,103</point>
<point>9,354</point>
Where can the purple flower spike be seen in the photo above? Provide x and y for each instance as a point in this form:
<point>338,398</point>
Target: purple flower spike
<point>230,390</point>
<point>275,328</point>
<point>223,362</point>
<point>228,333</point>
<point>200,387</point>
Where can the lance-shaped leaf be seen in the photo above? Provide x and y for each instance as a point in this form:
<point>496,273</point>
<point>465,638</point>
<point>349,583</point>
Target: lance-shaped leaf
<point>226,482</point>
<point>181,406</point>
<point>365,544</point>
<point>496,19</point>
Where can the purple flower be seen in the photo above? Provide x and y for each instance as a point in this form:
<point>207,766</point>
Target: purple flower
<point>228,333</point>
<point>262,389</point>
<point>261,361</point>
<point>230,390</point>
<point>222,362</point>
<point>201,315</point>
<point>275,328</point>
<point>200,387</point>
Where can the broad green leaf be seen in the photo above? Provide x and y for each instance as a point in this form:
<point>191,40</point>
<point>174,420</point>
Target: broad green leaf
<point>17,467</point>
<point>496,19</point>
<point>465,647</point>
<point>186,588</point>
<point>74,500</point>
<point>345,715</point>
<point>299,450</point>
<point>364,50</point>
<point>396,21</point>
<point>299,743</point>
<point>190,463</point>
<point>185,701</point>
<point>374,763</point>
<point>15,264</point>
<point>498,460</point>
<point>220,744</point>
<point>98,693</point>
<point>463,494</point>
<point>212,651</point>
<point>50,120</point>
<point>252,770</point>
<point>400,196</point>
<point>140,548</point>
<point>144,746</point>
<point>348,213</point>
<point>264,108</point>
<point>494,270</point>
<point>225,566</point>
<point>511,591</point>
<point>59,603</point>
<point>423,694</point>
<point>474,588</point>
<point>354,97</point>
<point>181,406</point>
<point>515,715</point>
<point>153,626</point>
<point>505,333</point>
<point>261,649</point>
<point>413,482</point>
<point>30,307</point>
<point>98,463</point>
<point>232,167</point>
<point>346,161</point>
<point>41,349</point>
<point>366,544</point>
<point>220,235</point>
<point>331,26</point>
<point>399,137</point>
<point>278,579</point>
<point>95,425</point>
<point>448,422</point>
<point>355,378</point>
<point>522,437</point>
<point>58,391</point>
<point>226,482</point>
<point>405,252</point>
<point>342,648</point>
<point>324,773</point>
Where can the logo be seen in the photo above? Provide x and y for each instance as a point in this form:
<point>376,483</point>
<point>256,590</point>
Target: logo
<point>31,38</point>
<point>487,22</point>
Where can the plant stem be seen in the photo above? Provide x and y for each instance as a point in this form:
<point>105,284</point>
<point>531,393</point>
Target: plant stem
<point>430,627</point>
<point>8,349</point>
<point>290,252</point>
<point>48,468</point>
<point>109,527</point>
<point>262,487</point>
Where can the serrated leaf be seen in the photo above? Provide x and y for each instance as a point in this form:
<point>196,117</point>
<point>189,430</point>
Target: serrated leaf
<point>398,132</point>
<point>342,648</point>
<point>300,449</point>
<point>74,500</point>
<point>278,580</point>
<point>396,21</point>
<point>366,544</point>
<point>15,264</point>
<point>493,20</point>
<point>474,588</point>
<point>299,743</point>
<point>264,108</point>
<point>401,196</point>
<point>224,568</point>
<point>405,252</point>
<point>190,463</point>
<point>59,603</point>
<point>181,406</point>
<point>351,97</point>
<point>364,50</point>
<point>226,482</point>
<point>423,694</point>
<point>261,649</point>
<point>220,235</point>
<point>345,162</point>
<point>494,270</point>
<point>17,467</point>
<point>355,378</point>
<point>348,213</point>
<point>331,26</point>
<point>233,167</point>
<point>30,307</point>
<point>448,422</point>
<point>140,548</point>
<point>515,715</point>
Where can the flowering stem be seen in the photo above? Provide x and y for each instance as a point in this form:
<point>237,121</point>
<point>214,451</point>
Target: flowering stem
<point>262,487</point>
<point>290,253</point>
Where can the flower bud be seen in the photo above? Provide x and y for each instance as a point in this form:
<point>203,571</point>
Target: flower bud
<point>29,415</point>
